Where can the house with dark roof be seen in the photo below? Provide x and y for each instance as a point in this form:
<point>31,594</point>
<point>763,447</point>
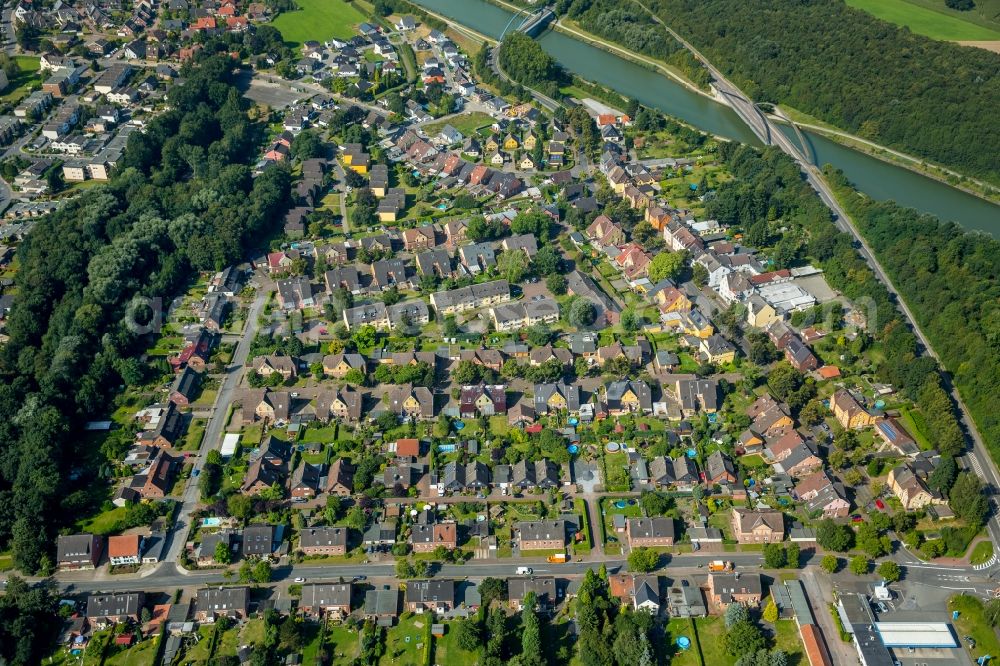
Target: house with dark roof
<point>627,396</point>
<point>104,610</point>
<point>545,589</point>
<point>541,534</point>
<point>556,397</point>
<point>327,599</point>
<point>538,474</point>
<point>78,551</point>
<point>258,540</point>
<point>437,595</point>
<point>765,526</point>
<point>323,540</point>
<point>735,588</point>
<point>215,602</point>
<point>719,469</point>
<point>654,532</point>
<point>482,400</point>
<point>184,387</point>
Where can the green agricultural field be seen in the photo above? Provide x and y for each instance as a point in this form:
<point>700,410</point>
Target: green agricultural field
<point>924,20</point>
<point>319,20</point>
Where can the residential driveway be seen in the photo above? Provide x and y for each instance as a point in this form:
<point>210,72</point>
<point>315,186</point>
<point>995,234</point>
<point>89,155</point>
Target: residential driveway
<point>587,476</point>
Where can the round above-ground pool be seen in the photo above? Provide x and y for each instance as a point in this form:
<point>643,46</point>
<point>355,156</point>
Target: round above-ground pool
<point>573,421</point>
<point>573,449</point>
<point>458,425</point>
<point>683,642</point>
<point>692,453</point>
<point>879,404</point>
<point>621,504</point>
<point>611,447</point>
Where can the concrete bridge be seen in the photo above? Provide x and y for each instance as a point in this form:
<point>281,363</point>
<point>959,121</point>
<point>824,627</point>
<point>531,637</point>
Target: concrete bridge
<point>533,24</point>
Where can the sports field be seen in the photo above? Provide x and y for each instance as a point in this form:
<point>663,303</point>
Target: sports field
<point>925,21</point>
<point>319,20</point>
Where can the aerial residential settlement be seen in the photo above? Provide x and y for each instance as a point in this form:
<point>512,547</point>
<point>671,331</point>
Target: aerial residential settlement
<point>498,382</point>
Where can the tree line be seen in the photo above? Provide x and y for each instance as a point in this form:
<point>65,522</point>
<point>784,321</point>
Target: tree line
<point>935,99</point>
<point>770,197</point>
<point>950,278</point>
<point>94,276</point>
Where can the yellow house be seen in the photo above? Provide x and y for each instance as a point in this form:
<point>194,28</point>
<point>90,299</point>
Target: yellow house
<point>526,163</point>
<point>510,142</point>
<point>411,406</point>
<point>673,299</point>
<point>530,142</point>
<point>717,350</point>
<point>760,314</point>
<point>849,413</point>
<point>556,401</point>
<point>694,323</point>
<point>387,216</point>
<point>492,145</point>
<point>360,167</point>
<point>909,488</point>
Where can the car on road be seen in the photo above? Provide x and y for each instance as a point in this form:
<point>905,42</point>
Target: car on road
<point>300,580</point>
<point>882,608</point>
<point>358,578</point>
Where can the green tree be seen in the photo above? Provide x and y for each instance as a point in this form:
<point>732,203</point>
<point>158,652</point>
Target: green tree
<point>744,638</point>
<point>774,556</point>
<point>889,571</point>
<point>222,554</point>
<point>770,611</point>
<point>859,565</point>
<point>831,536</point>
<point>830,563</point>
<point>556,284</point>
<point>666,265</point>
<point>968,499</point>
<point>468,634</point>
<point>643,559</point>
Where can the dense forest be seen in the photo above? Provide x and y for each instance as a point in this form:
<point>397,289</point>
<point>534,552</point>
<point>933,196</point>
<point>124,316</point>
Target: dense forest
<point>769,193</point>
<point>626,23</point>
<point>184,199</point>
<point>951,281</point>
<point>523,60</point>
<point>934,99</point>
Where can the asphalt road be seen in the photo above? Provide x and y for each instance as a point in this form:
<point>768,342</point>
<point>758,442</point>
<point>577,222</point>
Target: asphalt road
<point>978,459</point>
<point>213,430</point>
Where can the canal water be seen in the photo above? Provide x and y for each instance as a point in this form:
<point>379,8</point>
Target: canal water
<point>872,176</point>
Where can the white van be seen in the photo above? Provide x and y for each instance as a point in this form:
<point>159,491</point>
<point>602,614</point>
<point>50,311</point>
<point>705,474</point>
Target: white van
<point>524,571</point>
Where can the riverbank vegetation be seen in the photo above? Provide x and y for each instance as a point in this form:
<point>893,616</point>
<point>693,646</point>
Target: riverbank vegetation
<point>768,193</point>
<point>91,278</point>
<point>925,106</point>
<point>627,24</point>
<point>523,60</point>
<point>949,279</point>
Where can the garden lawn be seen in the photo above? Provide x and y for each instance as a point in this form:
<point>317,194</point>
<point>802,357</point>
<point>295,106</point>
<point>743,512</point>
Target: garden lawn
<point>786,637</point>
<point>711,631</point>
<point>104,523</point>
<point>319,20</point>
<point>971,622</point>
<point>343,644</point>
<point>925,21</point>
<point>399,651</point>
<point>447,651</point>
<point>981,553</point>
<point>142,654</point>
<point>466,123</point>
<point>676,628</point>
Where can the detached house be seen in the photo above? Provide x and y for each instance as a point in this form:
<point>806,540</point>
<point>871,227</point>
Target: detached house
<point>541,535</point>
<point>765,526</point>
<point>650,532</point>
<point>726,589</point>
<point>323,540</point>
<point>78,551</point>
<point>848,412</point>
<point>911,490</point>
